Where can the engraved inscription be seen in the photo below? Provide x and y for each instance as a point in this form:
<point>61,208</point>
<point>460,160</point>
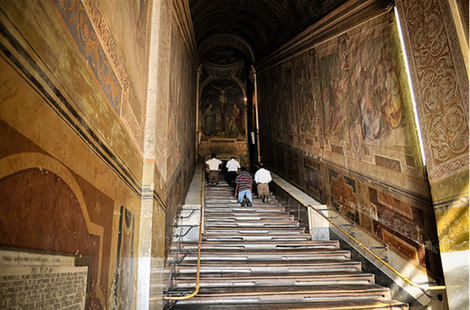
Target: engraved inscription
<point>35,281</point>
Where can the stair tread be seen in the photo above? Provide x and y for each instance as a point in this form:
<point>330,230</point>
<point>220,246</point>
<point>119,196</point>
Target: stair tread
<point>330,305</point>
<point>287,290</point>
<point>325,262</point>
<point>302,276</point>
<point>302,252</point>
<point>302,279</point>
<point>260,257</point>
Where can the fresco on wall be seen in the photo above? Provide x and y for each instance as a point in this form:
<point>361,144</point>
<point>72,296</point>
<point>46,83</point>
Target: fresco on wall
<point>405,227</point>
<point>343,195</point>
<point>347,104</point>
<point>87,41</point>
<point>367,92</point>
<point>222,110</point>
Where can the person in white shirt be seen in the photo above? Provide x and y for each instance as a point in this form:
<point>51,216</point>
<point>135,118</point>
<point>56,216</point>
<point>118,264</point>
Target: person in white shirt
<point>232,170</point>
<point>213,166</point>
<point>262,178</point>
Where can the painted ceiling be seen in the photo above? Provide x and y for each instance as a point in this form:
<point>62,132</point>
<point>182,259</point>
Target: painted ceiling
<point>264,25</point>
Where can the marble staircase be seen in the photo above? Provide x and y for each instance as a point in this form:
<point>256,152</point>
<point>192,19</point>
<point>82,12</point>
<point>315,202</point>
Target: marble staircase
<point>258,257</point>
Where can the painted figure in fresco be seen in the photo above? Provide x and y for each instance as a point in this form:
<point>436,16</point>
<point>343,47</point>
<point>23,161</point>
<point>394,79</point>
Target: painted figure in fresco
<point>223,96</point>
<point>238,117</point>
<point>389,90</point>
<point>210,128</point>
<point>235,122</point>
<point>371,122</point>
<point>338,108</point>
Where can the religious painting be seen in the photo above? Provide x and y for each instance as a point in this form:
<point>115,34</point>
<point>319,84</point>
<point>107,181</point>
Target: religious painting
<point>304,93</point>
<point>364,85</point>
<point>335,88</point>
<point>222,110</point>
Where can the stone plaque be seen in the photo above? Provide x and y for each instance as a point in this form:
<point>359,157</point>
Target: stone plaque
<point>41,281</point>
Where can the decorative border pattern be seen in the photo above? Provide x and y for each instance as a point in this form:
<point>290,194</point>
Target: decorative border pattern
<point>441,94</point>
<point>76,19</point>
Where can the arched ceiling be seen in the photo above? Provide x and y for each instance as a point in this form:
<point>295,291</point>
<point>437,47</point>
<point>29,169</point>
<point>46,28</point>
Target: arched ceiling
<point>263,24</point>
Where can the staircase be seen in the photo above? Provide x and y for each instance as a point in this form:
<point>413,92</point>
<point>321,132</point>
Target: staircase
<point>259,257</point>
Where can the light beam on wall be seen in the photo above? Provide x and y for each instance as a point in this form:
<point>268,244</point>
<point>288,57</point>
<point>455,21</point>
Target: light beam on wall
<point>415,110</point>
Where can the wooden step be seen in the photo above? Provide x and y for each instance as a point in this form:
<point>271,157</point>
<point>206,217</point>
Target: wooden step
<point>240,216</point>
<point>237,208</point>
<point>284,268</point>
<point>261,237</point>
<point>218,256</point>
<point>259,224</point>
<point>288,294</point>
<point>362,304</point>
<point>324,278</point>
<point>254,245</point>
<point>259,257</point>
<point>254,231</point>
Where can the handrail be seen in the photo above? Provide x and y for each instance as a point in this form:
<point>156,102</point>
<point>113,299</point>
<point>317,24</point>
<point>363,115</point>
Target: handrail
<point>423,289</point>
<point>196,288</point>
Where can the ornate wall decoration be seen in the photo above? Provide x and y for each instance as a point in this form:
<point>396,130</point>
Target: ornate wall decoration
<point>442,89</point>
<point>343,195</point>
<point>82,31</point>
<point>404,226</point>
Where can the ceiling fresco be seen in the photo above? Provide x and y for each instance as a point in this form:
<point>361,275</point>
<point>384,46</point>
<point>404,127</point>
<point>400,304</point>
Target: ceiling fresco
<point>223,56</point>
<point>264,25</point>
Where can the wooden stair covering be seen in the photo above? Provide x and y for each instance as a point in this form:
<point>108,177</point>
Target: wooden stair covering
<point>258,257</point>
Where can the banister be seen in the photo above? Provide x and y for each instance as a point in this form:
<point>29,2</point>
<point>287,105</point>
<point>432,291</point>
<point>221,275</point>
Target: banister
<point>196,287</point>
<point>423,289</point>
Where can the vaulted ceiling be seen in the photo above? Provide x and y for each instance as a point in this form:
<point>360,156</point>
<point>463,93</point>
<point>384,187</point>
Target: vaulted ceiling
<point>263,25</point>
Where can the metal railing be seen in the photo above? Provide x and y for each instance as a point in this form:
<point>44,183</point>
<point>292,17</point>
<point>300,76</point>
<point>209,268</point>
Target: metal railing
<point>423,289</point>
<point>196,287</point>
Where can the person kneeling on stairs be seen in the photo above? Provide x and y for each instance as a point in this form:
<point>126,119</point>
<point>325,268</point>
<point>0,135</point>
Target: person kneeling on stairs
<point>244,183</point>
<point>213,167</point>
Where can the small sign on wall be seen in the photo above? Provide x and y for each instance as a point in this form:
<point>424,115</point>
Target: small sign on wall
<point>41,281</point>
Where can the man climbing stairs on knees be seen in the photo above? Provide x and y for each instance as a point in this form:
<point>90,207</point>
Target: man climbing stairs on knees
<point>213,167</point>
<point>244,187</point>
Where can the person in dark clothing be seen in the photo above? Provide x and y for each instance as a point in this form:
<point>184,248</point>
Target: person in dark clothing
<point>244,187</point>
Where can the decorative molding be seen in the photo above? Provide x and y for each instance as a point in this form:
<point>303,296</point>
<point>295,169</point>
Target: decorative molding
<point>440,85</point>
